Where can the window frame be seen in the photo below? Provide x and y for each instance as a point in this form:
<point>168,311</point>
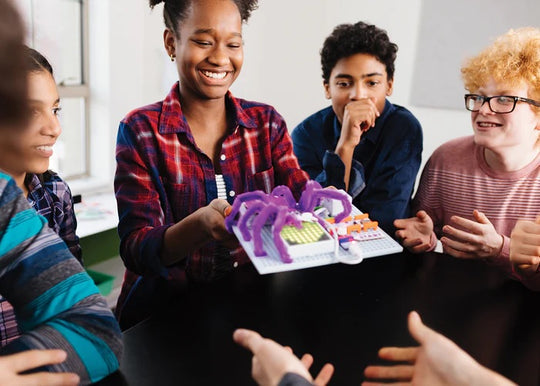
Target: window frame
<point>81,91</point>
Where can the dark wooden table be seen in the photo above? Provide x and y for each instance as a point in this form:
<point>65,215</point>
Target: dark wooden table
<point>341,314</point>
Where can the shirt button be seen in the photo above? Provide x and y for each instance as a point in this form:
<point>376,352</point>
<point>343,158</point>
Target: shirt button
<point>223,157</point>
<point>232,193</point>
<point>235,264</point>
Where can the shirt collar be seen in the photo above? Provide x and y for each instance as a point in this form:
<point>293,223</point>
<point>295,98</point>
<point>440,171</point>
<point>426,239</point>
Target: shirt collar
<point>172,119</point>
<point>372,135</point>
<point>35,188</point>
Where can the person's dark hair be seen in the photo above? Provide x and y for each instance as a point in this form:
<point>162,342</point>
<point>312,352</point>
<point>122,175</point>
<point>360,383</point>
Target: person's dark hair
<point>35,62</point>
<point>13,88</point>
<point>359,38</point>
<point>174,11</point>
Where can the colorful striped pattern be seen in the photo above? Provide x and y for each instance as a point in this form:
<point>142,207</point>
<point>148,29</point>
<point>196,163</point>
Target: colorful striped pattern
<point>51,197</point>
<point>56,302</point>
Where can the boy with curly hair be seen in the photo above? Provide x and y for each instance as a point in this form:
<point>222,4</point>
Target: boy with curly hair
<point>362,143</point>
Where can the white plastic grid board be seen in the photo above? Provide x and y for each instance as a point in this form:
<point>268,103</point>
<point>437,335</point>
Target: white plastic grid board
<point>272,262</point>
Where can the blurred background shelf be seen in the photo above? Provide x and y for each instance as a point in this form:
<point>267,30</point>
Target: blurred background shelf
<point>97,221</point>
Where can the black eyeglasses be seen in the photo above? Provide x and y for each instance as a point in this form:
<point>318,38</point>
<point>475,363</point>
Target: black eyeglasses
<point>500,104</point>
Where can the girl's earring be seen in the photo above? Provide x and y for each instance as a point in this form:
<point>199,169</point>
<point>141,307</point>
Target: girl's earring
<point>172,56</point>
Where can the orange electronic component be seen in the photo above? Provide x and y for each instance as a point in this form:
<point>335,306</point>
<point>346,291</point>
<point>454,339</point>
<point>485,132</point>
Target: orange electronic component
<point>362,216</point>
<point>371,225</point>
<point>347,219</point>
<point>354,228</point>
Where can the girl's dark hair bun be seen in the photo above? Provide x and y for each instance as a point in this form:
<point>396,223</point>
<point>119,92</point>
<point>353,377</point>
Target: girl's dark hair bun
<point>155,2</point>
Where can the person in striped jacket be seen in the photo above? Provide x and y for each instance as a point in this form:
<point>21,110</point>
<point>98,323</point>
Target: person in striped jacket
<point>66,325</point>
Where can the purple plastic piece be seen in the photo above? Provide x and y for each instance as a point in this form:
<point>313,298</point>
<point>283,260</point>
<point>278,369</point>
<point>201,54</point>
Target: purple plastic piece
<point>314,193</point>
<point>279,209</point>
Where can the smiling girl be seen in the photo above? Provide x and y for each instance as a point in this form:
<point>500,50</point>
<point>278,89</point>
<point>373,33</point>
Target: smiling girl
<point>474,189</point>
<point>25,154</point>
<point>182,161</point>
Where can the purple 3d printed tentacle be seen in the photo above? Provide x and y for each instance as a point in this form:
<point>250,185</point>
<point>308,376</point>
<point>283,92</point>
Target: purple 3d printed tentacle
<point>259,222</point>
<point>283,191</point>
<point>237,204</point>
<point>321,221</point>
<point>306,199</point>
<point>255,207</point>
<point>335,195</point>
<point>283,218</point>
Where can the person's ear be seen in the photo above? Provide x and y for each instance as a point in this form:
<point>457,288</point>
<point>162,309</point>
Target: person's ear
<point>169,41</point>
<point>390,88</point>
<point>326,90</point>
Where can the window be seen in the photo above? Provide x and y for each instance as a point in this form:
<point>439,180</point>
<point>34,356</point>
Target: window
<point>56,28</point>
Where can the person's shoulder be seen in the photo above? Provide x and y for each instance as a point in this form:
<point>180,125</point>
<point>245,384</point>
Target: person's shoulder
<point>4,178</point>
<point>153,110</point>
<point>253,108</point>
<point>246,104</point>
<point>455,149</point>
<point>404,117</point>
<point>313,123</point>
<point>14,205</point>
<point>319,116</point>
<point>8,189</point>
<point>142,122</point>
<point>52,176</point>
<point>465,143</point>
<point>55,184</point>
<point>403,112</point>
<point>256,115</point>
<point>143,112</point>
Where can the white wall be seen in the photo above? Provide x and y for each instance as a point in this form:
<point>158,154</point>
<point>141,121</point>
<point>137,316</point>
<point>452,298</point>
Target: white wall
<point>282,66</point>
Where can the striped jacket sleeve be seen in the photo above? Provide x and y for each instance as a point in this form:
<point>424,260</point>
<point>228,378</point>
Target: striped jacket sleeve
<point>56,303</point>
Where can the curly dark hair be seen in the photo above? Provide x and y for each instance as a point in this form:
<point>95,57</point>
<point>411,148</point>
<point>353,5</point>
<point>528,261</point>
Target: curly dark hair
<point>174,11</point>
<point>359,38</point>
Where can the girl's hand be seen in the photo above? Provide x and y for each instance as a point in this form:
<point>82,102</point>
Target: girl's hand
<point>214,222</point>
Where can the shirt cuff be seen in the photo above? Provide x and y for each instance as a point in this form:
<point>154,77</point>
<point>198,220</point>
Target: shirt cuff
<point>433,243</point>
<point>335,174</point>
<point>334,169</point>
<point>505,249</point>
<point>293,379</point>
<point>357,182</point>
<point>502,260</point>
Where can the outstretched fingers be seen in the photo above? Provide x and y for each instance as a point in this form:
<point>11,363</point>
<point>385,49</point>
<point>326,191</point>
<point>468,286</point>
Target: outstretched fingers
<point>248,339</point>
<point>324,375</point>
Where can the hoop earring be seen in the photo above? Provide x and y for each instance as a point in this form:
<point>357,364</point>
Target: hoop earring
<point>172,56</point>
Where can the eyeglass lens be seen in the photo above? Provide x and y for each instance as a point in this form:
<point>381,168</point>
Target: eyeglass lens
<point>497,104</point>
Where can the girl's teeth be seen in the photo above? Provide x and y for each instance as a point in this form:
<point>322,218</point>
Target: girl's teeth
<point>215,75</point>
